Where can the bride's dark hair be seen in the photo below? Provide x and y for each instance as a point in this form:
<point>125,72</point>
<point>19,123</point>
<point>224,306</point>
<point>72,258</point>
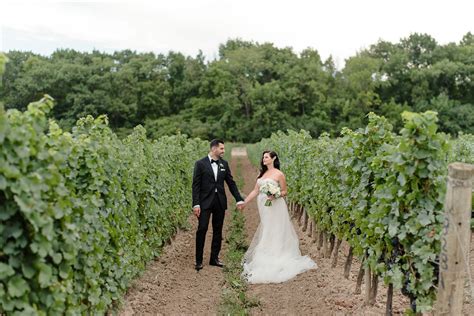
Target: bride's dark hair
<point>276,162</point>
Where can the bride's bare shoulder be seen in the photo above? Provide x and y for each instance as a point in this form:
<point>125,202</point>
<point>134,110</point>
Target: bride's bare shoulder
<point>280,174</point>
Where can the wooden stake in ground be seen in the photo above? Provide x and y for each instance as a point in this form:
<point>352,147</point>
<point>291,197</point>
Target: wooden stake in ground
<point>368,285</point>
<point>373,289</point>
<point>332,239</point>
<point>389,306</point>
<point>314,231</point>
<point>455,239</point>
<point>360,277</point>
<point>310,228</point>
<point>336,253</point>
<point>300,213</point>
<point>347,266</point>
<point>325,245</point>
<point>305,220</point>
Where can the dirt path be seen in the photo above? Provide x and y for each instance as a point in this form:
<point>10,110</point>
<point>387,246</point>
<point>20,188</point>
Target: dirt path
<point>171,286</point>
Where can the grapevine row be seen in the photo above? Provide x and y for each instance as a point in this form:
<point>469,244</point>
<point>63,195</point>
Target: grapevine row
<point>82,212</point>
<point>381,191</point>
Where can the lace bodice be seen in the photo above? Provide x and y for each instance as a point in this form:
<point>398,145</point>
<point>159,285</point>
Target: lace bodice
<point>263,180</point>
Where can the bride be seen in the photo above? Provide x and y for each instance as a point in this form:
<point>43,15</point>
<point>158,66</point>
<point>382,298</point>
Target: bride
<point>273,255</point>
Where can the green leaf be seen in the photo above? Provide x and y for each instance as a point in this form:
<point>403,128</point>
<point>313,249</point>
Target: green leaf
<point>8,211</point>
<point>12,171</point>
<point>397,277</point>
<point>3,124</point>
<point>41,247</point>
<point>5,271</point>
<point>14,262</point>
<point>45,275</point>
<point>392,228</point>
<point>3,182</point>
<point>14,231</point>
<point>64,270</point>
<point>401,179</point>
<point>28,270</point>
<point>26,311</point>
<point>57,257</point>
<point>424,218</point>
<point>25,204</point>
<point>17,286</point>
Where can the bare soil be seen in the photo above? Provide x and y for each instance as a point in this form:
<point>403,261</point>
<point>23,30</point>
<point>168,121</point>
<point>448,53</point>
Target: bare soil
<point>171,286</point>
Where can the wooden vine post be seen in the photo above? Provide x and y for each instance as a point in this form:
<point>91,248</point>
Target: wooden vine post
<point>455,239</point>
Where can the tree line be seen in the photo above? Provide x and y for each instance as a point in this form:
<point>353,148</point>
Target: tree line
<point>251,89</point>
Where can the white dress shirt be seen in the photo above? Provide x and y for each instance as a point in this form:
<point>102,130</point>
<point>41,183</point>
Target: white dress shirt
<point>214,168</point>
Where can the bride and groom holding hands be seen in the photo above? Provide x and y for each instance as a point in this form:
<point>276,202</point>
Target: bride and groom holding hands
<point>273,255</point>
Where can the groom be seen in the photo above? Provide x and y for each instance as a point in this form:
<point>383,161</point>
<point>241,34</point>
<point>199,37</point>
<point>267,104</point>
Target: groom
<point>209,198</point>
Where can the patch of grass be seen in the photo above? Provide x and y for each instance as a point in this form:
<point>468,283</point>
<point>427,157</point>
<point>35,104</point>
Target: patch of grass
<point>234,298</point>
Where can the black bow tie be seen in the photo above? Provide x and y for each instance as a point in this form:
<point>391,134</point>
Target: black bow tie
<point>214,161</point>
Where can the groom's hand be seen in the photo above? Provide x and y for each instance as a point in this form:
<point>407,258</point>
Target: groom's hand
<point>197,211</point>
<point>241,206</point>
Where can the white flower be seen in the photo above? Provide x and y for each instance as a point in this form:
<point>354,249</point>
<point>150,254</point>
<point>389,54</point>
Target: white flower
<point>269,189</point>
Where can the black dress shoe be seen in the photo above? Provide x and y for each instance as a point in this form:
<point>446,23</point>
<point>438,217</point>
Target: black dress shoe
<point>198,266</point>
<point>216,262</point>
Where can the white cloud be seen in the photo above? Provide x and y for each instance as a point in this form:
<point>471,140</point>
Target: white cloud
<point>337,27</point>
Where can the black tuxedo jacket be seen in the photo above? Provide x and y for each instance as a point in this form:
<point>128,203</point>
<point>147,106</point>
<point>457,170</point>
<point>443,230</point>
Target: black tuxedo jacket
<point>205,185</point>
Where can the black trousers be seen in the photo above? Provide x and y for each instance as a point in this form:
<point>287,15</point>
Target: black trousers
<point>218,214</point>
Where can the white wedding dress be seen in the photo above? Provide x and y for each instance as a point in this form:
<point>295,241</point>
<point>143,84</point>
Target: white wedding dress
<point>274,255</point>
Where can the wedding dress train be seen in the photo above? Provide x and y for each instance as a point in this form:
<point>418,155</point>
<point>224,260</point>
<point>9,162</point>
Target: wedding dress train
<point>274,255</point>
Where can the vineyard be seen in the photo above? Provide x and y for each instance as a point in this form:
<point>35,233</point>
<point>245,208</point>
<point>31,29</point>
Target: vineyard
<point>83,212</point>
<point>381,192</point>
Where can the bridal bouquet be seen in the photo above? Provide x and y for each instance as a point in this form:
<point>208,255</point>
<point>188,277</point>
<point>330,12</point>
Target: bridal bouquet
<point>269,189</point>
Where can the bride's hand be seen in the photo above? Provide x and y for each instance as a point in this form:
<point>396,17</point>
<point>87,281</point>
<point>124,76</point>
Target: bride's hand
<point>270,197</point>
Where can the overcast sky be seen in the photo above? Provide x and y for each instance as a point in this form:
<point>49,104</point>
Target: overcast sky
<point>334,27</point>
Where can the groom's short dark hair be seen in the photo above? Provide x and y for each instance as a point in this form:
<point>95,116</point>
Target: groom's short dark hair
<point>216,142</point>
